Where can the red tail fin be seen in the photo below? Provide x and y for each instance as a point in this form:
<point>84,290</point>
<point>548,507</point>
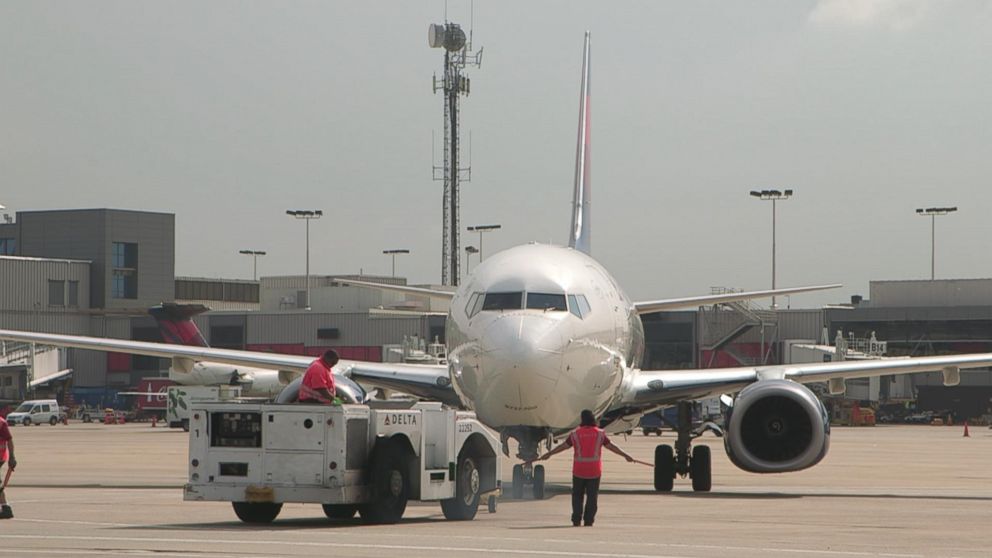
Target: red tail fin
<point>176,324</point>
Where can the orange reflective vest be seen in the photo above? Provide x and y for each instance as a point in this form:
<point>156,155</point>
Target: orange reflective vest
<point>587,447</point>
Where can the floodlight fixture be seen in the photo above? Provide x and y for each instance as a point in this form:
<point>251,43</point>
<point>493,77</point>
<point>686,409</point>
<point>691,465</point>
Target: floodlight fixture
<point>307,215</point>
<point>772,196</point>
<point>933,213</point>
<point>482,229</point>
<point>254,254</point>
<point>393,253</point>
<point>469,250</point>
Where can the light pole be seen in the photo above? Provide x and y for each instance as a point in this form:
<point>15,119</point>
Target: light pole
<point>932,213</point>
<point>254,255</point>
<point>469,250</point>
<point>393,254</point>
<point>773,196</point>
<point>481,229</point>
<point>307,215</point>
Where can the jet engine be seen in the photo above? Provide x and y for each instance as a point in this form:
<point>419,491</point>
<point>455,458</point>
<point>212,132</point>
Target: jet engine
<point>776,426</point>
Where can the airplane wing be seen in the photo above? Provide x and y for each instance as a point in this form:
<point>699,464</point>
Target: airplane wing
<point>420,380</point>
<point>657,388</point>
<point>706,300</point>
<point>436,293</point>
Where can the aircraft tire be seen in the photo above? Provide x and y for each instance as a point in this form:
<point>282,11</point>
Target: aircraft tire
<point>700,470</point>
<point>465,504</point>
<point>256,512</point>
<point>390,483</point>
<point>518,481</point>
<point>664,468</point>
<point>339,511</point>
<point>539,482</point>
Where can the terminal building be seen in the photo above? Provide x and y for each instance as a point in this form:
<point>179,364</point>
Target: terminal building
<point>96,272</point>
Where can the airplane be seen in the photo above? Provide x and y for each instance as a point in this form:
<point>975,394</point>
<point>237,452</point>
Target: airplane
<point>538,332</point>
<point>176,325</point>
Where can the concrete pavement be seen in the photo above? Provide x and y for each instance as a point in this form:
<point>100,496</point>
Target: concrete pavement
<point>896,491</point>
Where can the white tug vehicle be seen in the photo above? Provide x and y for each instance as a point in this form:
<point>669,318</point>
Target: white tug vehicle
<point>369,459</point>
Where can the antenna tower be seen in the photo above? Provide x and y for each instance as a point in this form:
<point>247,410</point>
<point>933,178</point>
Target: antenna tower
<point>458,55</point>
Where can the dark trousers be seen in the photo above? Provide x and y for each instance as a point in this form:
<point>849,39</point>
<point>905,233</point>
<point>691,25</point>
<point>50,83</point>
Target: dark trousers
<point>587,489</point>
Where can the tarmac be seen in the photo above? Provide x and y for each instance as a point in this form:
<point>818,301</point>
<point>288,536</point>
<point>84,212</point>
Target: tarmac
<point>892,491</point>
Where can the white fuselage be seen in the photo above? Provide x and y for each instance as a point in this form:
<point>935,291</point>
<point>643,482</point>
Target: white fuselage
<point>519,366</point>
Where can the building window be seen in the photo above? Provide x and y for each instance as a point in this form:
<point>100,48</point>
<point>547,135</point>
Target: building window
<point>73,294</point>
<point>124,281</point>
<point>56,293</point>
<point>8,246</point>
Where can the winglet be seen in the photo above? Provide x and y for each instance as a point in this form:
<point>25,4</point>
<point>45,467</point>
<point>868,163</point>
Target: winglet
<point>580,237</point>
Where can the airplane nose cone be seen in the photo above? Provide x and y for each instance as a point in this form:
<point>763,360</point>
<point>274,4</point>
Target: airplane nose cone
<point>522,356</point>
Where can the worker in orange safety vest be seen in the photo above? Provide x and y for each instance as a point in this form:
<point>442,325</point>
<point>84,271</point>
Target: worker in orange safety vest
<point>317,385</point>
<point>587,442</point>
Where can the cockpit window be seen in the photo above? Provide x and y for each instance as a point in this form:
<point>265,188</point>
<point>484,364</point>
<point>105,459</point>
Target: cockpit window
<point>578,305</point>
<point>503,301</point>
<point>546,301</point>
<point>473,300</point>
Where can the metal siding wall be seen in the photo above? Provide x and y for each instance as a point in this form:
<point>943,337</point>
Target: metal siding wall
<point>947,292</point>
<point>792,324</point>
<point>800,324</point>
<point>24,283</point>
<point>88,234</point>
<point>356,329</point>
<point>155,236</point>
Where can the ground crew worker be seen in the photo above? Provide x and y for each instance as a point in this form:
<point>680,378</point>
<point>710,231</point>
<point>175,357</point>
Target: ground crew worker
<point>586,442</point>
<point>318,381</point>
<point>6,456</point>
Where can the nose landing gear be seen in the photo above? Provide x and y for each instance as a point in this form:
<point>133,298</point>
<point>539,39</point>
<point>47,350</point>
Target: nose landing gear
<point>528,474</point>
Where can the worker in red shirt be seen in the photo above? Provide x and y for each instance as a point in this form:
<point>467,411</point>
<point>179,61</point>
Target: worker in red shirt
<point>318,381</point>
<point>6,456</point>
<point>586,442</point>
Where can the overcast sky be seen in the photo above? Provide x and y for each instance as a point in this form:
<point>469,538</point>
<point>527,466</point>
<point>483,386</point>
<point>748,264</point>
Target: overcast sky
<point>229,113</point>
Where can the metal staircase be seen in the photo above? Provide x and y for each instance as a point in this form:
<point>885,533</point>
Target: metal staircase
<point>721,324</point>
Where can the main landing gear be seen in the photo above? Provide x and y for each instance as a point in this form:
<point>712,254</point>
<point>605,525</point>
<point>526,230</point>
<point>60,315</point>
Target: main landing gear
<point>668,462</point>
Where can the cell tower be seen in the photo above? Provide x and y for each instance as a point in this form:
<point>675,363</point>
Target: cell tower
<point>458,55</point>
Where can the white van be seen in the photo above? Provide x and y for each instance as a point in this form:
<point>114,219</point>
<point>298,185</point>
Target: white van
<point>36,412</point>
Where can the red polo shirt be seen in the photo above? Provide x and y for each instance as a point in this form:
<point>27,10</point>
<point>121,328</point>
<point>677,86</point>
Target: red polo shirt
<point>4,438</point>
<point>317,376</point>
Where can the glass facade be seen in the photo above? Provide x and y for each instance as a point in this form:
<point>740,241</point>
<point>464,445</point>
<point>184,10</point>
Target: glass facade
<point>124,280</point>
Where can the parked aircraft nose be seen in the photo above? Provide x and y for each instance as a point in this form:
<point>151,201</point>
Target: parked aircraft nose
<point>521,356</point>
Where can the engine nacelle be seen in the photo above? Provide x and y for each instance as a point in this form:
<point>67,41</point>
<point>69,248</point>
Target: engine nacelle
<point>776,426</point>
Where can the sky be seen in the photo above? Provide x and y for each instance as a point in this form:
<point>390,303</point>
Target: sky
<point>228,113</point>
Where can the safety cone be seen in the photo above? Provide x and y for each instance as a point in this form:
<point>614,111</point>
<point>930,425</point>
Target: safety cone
<point>966,435</point>
<point>154,420</point>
